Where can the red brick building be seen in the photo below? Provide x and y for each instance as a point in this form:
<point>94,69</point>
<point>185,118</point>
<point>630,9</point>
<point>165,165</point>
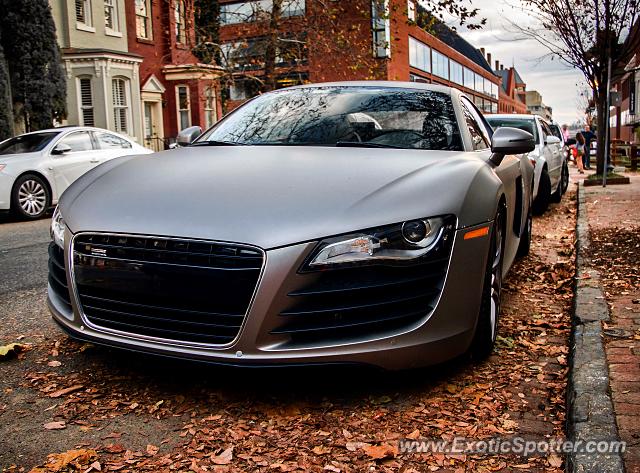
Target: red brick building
<point>360,40</point>
<point>176,91</point>
<point>512,91</point>
<point>625,112</point>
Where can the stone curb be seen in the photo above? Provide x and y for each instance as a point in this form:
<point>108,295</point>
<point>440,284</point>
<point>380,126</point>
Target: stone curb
<point>590,415</point>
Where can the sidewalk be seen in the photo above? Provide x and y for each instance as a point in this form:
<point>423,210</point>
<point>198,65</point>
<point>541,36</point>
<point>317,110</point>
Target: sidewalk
<point>613,216</point>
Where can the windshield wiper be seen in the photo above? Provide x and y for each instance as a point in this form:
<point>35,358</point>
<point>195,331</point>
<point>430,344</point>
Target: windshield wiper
<point>215,143</point>
<point>364,144</point>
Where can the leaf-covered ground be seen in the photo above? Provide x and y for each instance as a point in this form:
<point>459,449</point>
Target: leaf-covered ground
<point>72,407</point>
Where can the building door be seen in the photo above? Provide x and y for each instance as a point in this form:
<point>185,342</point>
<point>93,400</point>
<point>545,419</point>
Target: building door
<point>152,139</point>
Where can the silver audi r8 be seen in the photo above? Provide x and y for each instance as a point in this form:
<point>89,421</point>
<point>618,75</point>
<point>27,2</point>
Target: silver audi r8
<point>361,222</point>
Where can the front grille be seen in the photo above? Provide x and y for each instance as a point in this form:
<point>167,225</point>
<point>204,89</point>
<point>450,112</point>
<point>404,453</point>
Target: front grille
<point>365,301</point>
<point>173,289</point>
<point>57,275</point>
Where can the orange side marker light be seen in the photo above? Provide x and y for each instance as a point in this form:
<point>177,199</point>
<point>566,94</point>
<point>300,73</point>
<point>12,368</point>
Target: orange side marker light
<point>477,233</point>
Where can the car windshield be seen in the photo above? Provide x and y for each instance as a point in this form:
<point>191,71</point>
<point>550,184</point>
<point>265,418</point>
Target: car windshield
<point>30,143</point>
<point>343,116</point>
<point>521,123</point>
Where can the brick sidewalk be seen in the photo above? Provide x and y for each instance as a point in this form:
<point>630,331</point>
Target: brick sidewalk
<point>619,206</point>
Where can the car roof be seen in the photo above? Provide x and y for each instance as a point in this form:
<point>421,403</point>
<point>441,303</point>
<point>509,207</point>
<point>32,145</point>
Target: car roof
<point>382,83</point>
<point>512,115</point>
<point>68,128</point>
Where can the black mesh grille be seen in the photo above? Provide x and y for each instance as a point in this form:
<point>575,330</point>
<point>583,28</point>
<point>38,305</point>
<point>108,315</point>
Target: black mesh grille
<point>364,301</point>
<point>57,275</point>
<point>173,289</point>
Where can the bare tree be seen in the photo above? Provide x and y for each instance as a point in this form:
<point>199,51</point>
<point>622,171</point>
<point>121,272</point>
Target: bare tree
<point>585,34</point>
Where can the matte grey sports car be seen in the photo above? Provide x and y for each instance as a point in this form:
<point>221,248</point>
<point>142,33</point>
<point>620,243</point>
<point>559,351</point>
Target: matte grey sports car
<point>363,222</point>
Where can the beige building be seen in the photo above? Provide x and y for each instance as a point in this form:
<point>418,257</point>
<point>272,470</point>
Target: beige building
<point>103,84</point>
<point>536,106</point>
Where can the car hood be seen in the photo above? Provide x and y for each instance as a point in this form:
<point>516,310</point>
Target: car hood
<point>268,196</point>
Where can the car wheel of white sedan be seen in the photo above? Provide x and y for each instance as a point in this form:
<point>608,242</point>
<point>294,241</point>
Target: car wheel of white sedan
<point>30,197</point>
<point>488,318</point>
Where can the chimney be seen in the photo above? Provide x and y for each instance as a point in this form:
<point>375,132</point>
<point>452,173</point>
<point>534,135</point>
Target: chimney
<point>502,67</point>
<point>482,51</point>
<point>489,59</point>
<point>497,65</point>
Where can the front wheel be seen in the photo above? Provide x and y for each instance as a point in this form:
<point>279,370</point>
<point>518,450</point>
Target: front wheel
<point>565,177</point>
<point>30,197</point>
<point>484,338</point>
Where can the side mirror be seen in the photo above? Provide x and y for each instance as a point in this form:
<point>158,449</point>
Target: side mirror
<point>188,135</point>
<point>61,148</point>
<point>507,140</point>
<point>553,140</point>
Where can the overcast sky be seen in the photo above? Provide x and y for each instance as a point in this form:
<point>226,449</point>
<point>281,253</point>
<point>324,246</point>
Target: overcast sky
<point>558,83</point>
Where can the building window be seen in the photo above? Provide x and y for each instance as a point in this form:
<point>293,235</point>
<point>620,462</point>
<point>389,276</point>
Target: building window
<point>455,72</point>
<point>210,115</point>
<point>417,78</point>
<point>469,78</point>
<point>85,101</point>
<point>184,107</point>
<point>381,28</point>
<point>121,110</point>
<point>419,55</point>
<point>111,15</point>
<point>181,24</point>
<point>83,12</point>
<point>440,65</point>
<point>479,84</point>
<point>143,19</point>
<point>245,12</point>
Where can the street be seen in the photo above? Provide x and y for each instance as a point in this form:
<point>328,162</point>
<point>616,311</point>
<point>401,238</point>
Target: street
<point>122,411</point>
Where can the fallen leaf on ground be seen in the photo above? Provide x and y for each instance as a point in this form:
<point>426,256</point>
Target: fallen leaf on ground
<point>58,425</point>
<point>378,452</point>
<point>224,458</point>
<point>62,392</point>
<point>7,351</point>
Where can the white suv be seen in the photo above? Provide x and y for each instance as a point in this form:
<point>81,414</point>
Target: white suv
<point>551,174</point>
<point>36,168</point>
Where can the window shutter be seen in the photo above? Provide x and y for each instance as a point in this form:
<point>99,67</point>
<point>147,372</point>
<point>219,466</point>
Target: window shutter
<point>80,13</point>
<point>120,105</point>
<point>86,102</point>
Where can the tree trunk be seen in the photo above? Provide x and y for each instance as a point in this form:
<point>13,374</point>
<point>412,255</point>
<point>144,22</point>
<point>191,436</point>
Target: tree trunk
<point>603,128</point>
<point>271,50</point>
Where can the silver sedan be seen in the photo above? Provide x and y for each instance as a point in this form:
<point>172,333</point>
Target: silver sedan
<point>366,222</point>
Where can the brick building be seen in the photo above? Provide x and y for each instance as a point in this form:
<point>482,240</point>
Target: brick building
<point>625,112</point>
<point>513,97</point>
<point>176,91</point>
<point>361,40</point>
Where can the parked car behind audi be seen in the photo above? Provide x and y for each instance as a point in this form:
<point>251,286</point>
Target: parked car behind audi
<point>36,168</point>
<point>551,166</point>
<point>363,222</point>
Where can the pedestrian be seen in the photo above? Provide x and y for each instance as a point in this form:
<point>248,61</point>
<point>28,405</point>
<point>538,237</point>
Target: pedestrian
<point>565,133</point>
<point>589,136</point>
<point>580,150</point>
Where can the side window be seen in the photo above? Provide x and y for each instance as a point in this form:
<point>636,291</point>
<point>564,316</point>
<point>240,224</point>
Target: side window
<point>109,141</point>
<point>78,141</point>
<point>479,136</point>
<point>545,131</point>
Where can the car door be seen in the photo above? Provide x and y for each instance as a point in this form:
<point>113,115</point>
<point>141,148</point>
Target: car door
<point>112,146</point>
<point>508,172</point>
<point>79,156</point>
<point>553,155</point>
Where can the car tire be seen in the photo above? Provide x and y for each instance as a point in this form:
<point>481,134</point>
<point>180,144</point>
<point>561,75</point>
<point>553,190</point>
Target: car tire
<point>30,197</point>
<point>486,332</point>
<point>565,177</point>
<point>541,204</point>
<point>525,239</point>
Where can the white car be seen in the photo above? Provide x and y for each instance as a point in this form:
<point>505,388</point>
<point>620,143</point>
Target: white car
<point>551,170</point>
<point>36,168</point>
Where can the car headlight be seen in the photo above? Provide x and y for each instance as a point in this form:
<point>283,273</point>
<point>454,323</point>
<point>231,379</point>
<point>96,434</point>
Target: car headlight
<point>57,228</point>
<point>399,243</point>
<point>2,166</point>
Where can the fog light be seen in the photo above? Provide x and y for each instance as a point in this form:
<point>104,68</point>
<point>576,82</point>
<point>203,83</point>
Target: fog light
<point>416,231</point>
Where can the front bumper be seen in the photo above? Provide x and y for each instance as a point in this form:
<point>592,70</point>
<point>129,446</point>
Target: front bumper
<point>443,334</point>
